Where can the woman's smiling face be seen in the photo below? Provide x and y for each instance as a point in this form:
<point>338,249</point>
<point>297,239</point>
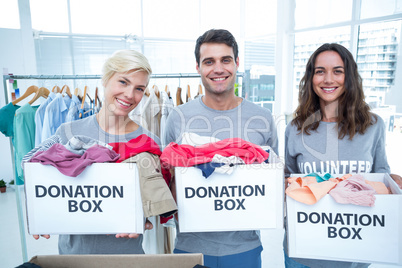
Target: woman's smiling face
<point>124,91</point>
<point>329,77</point>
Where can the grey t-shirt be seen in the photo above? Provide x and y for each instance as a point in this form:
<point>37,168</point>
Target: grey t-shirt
<point>98,244</point>
<point>247,121</point>
<point>322,152</point>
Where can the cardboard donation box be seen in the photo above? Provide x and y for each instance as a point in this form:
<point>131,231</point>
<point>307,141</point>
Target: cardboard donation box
<point>119,261</point>
<point>346,232</point>
<point>104,199</point>
<point>250,198</point>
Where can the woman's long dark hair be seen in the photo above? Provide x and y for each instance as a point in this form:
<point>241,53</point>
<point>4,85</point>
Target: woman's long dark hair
<point>354,114</point>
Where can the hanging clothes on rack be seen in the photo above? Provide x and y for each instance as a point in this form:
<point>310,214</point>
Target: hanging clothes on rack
<point>147,113</point>
<point>39,117</point>
<point>151,237</point>
<point>7,114</point>
<point>55,114</point>
<point>166,108</point>
<point>18,122</point>
<point>73,110</point>
<point>24,135</point>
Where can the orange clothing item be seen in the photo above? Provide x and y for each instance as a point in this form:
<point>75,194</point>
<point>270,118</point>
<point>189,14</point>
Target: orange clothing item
<point>307,190</point>
<point>378,186</point>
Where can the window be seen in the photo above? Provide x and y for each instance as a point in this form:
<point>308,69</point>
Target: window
<point>43,20</point>
<point>260,18</point>
<point>117,17</point>
<point>375,8</point>
<point>313,13</point>
<point>380,50</point>
<point>9,14</point>
<point>172,19</point>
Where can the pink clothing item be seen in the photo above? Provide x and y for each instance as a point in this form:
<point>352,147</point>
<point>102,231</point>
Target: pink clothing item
<point>307,190</point>
<point>186,155</point>
<point>71,164</point>
<point>354,191</point>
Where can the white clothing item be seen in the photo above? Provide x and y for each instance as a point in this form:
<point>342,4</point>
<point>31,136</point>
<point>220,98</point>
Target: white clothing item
<point>135,114</point>
<point>193,139</point>
<point>147,113</point>
<point>229,162</point>
<point>167,106</point>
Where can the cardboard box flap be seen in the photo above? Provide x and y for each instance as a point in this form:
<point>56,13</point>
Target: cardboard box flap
<point>118,261</point>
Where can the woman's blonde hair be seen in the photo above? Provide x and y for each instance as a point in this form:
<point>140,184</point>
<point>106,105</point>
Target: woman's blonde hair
<point>124,61</point>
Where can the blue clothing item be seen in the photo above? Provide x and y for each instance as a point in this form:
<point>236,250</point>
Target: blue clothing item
<point>39,116</point>
<point>249,259</point>
<point>208,168</point>
<point>267,160</point>
<point>55,115</point>
<point>290,263</point>
<point>67,100</point>
<point>326,176</point>
<point>72,113</point>
<point>85,112</point>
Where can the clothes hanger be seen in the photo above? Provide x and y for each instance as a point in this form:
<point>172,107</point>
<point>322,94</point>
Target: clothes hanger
<point>156,91</point>
<point>178,97</point>
<point>82,102</point>
<point>188,94</point>
<point>146,91</point>
<point>42,92</point>
<point>167,90</point>
<point>89,97</point>
<point>68,92</point>
<point>78,93</point>
<point>91,102</point>
<point>29,91</point>
<point>96,97</point>
<point>56,89</point>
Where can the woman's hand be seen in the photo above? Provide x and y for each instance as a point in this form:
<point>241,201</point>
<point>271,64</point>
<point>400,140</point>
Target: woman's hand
<point>36,237</point>
<point>397,179</point>
<point>148,226</point>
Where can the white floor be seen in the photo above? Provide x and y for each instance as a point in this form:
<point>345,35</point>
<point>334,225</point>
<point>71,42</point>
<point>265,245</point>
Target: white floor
<point>11,250</point>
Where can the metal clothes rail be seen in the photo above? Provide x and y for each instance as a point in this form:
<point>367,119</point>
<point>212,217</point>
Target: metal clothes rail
<point>7,78</point>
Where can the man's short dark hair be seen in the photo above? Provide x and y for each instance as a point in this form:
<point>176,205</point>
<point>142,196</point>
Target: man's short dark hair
<point>219,36</point>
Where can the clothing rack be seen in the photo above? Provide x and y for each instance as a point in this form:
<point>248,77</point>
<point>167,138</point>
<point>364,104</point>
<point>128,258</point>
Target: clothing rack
<point>7,78</point>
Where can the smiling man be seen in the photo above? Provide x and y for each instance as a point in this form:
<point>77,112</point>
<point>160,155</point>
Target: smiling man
<point>218,115</point>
